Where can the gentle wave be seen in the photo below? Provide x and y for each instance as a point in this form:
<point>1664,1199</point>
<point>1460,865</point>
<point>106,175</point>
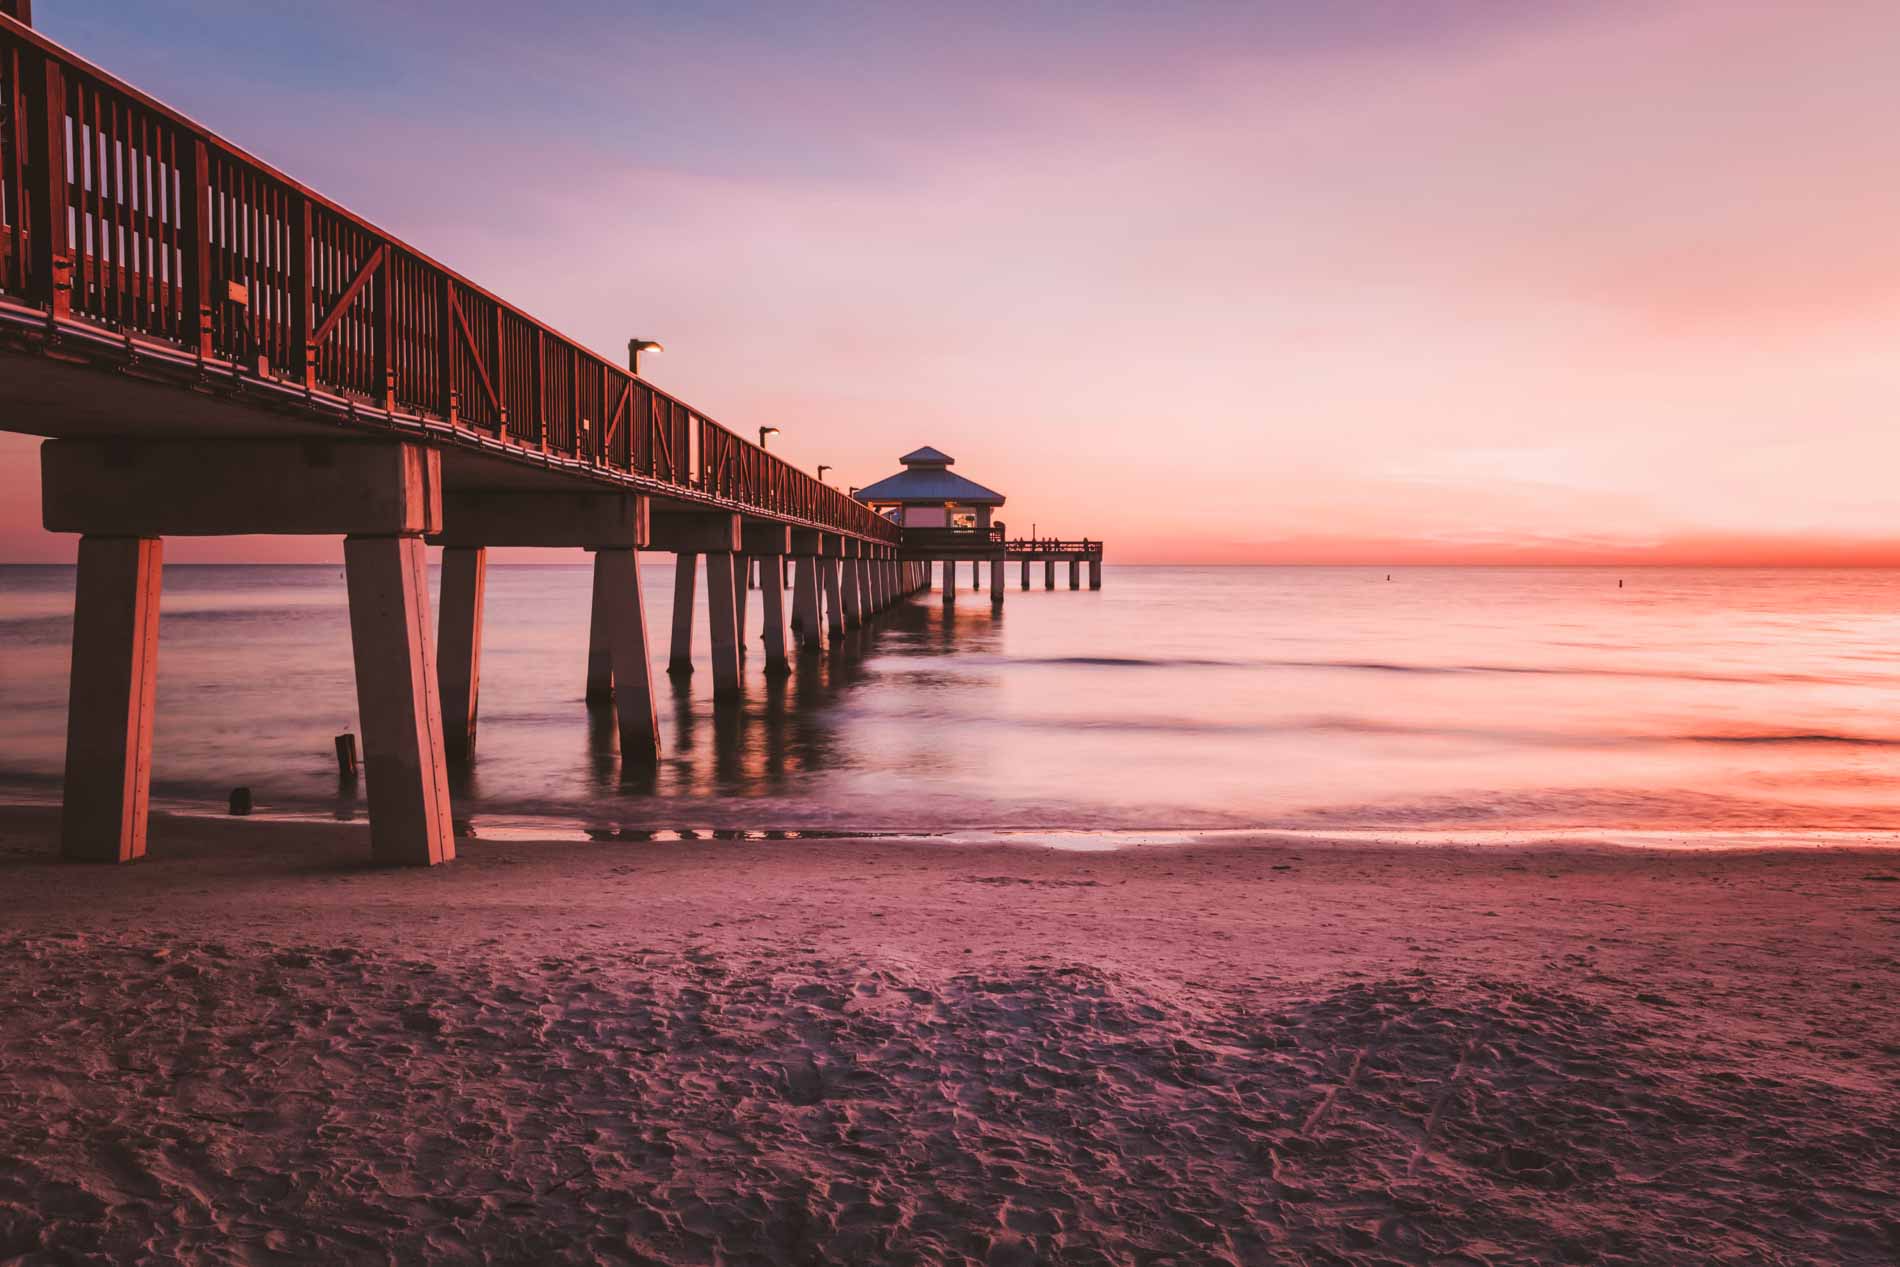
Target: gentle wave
<point>1370,726</point>
<point>1389,666</point>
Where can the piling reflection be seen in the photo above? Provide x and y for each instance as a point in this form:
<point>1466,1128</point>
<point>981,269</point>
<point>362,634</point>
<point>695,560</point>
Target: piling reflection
<point>784,727</point>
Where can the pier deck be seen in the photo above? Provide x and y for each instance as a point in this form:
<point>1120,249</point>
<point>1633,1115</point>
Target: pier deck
<point>977,546</point>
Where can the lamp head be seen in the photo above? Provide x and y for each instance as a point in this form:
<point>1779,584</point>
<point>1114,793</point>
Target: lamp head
<point>637,346</point>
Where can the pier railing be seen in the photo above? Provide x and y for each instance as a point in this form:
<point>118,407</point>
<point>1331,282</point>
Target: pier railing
<point>1036,547</point>
<point>926,539</point>
<point>118,211</point>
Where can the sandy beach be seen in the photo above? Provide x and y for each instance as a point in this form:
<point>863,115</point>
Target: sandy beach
<point>252,1048</point>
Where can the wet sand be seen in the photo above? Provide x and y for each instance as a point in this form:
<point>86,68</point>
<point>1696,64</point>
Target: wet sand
<point>252,1048</point>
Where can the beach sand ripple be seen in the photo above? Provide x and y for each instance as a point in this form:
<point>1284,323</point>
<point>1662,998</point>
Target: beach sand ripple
<point>182,1098</point>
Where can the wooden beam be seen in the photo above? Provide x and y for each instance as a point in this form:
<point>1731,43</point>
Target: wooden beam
<point>696,532</point>
<point>363,274</point>
<point>474,353</point>
<point>615,412</point>
<point>221,488</point>
<point>578,519</point>
<point>47,195</point>
<point>303,370</point>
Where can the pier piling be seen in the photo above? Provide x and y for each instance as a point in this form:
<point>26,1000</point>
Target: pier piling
<point>837,614</point>
<point>458,646</point>
<point>865,573</point>
<point>853,598</point>
<point>722,613</point>
<point>685,579</point>
<point>396,697</point>
<point>622,603</point>
<point>805,598</point>
<point>772,603</point>
<point>741,569</point>
<point>111,699</point>
<point>600,665</point>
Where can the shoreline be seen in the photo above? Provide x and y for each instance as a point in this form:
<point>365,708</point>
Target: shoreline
<point>253,1044</point>
<point>552,829</point>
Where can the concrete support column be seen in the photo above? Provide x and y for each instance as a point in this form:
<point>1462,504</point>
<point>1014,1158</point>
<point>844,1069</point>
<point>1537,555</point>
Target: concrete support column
<point>622,604</point>
<point>396,699</point>
<point>458,646</point>
<point>976,574</point>
<point>600,664</point>
<point>685,576</point>
<point>1025,573</point>
<point>772,602</point>
<point>854,591</point>
<point>997,571</point>
<point>1095,574</point>
<point>805,601</point>
<point>111,699</point>
<point>741,569</point>
<point>867,597</point>
<point>949,582</point>
<point>722,612</point>
<point>1075,574</point>
<point>834,596</point>
<point>1048,574</point>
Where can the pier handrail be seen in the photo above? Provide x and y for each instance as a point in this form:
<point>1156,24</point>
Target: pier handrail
<point>952,538</point>
<point>118,211</point>
<point>1053,545</point>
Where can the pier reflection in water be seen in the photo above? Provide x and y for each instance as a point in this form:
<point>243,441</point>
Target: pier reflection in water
<point>782,730</point>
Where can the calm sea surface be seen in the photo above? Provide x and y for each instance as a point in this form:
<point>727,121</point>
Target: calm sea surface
<point>1174,698</point>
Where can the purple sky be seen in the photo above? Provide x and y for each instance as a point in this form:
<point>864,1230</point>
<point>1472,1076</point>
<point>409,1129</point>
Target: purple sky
<point>1292,281</point>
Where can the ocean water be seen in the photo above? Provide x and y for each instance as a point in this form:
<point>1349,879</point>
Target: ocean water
<point>1173,699</point>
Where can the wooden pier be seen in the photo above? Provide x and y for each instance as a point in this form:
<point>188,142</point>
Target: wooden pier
<point>949,547</point>
<point>213,348</point>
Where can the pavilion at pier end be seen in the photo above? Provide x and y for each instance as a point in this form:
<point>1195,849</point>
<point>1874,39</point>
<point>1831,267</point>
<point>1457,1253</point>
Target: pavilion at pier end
<point>947,519</point>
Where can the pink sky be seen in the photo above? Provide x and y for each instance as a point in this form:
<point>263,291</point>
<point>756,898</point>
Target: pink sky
<point>1559,282</point>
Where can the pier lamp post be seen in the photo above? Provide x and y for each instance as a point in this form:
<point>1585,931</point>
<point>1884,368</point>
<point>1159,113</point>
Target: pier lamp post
<point>822,468</point>
<point>637,346</point>
<point>764,432</point>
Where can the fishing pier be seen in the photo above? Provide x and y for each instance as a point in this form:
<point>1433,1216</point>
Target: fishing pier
<point>215,349</point>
